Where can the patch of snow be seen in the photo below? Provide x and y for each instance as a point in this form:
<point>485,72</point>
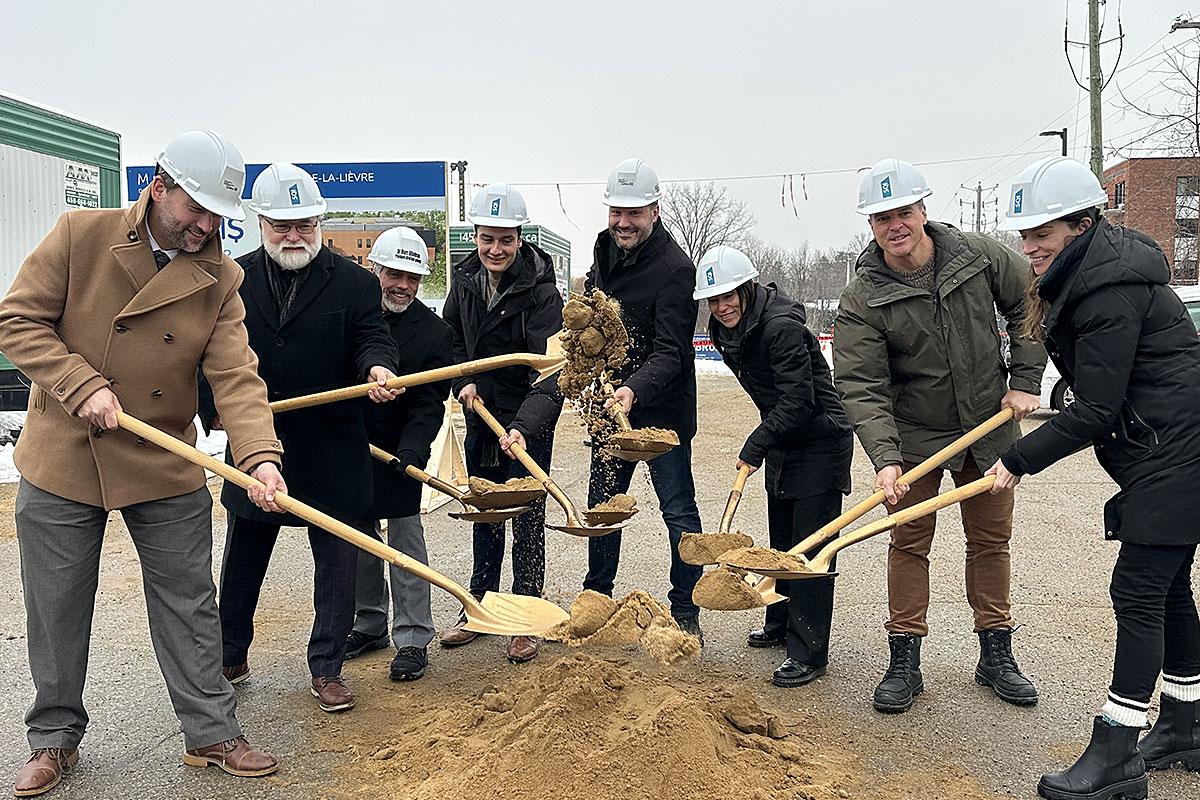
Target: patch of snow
<point>706,366</point>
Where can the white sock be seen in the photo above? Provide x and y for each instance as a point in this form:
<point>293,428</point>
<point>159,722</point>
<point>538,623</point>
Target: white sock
<point>1125,712</point>
<point>1186,690</point>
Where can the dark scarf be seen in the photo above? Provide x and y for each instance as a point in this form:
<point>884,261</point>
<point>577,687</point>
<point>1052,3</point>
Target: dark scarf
<point>729,340</point>
<point>285,284</point>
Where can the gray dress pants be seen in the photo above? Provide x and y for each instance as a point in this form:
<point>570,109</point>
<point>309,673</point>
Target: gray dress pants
<point>60,542</point>
<point>412,617</point>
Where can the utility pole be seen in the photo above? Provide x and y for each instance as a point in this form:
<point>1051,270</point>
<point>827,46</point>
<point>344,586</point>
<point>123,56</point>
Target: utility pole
<point>1095,86</point>
<point>978,205</point>
<point>461,167</point>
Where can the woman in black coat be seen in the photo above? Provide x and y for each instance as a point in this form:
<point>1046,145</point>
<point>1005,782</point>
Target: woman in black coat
<point>804,437</point>
<point>1124,342</point>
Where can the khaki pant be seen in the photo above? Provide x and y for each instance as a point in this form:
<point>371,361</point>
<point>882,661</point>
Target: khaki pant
<point>987,520</point>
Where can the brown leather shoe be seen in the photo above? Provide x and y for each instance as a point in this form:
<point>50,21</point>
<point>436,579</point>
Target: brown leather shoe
<point>236,674</point>
<point>44,770</point>
<point>458,635</point>
<point>235,756</point>
<point>332,694</point>
<point>522,649</point>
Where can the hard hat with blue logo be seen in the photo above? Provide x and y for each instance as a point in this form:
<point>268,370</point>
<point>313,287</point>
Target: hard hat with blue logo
<point>284,191</point>
<point>722,269</point>
<point>890,184</point>
<point>1048,189</point>
<point>401,248</point>
<point>499,206</point>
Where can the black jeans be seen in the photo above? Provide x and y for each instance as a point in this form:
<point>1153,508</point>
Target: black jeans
<point>484,460</point>
<point>807,616</point>
<point>248,546</point>
<point>1157,626</point>
<point>671,474</point>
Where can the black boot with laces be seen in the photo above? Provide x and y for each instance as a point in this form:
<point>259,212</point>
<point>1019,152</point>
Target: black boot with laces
<point>902,681</point>
<point>998,669</point>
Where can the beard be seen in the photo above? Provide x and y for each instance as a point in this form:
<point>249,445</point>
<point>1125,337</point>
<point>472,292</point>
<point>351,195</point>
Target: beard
<point>397,303</point>
<point>293,259</point>
<point>639,237</point>
<point>175,233</point>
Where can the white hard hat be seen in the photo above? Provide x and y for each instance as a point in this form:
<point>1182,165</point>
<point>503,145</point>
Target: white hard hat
<point>632,184</point>
<point>890,184</point>
<point>498,205</point>
<point>1048,189</point>
<point>401,248</point>
<point>284,191</point>
<point>722,269</point>
<point>209,168</point>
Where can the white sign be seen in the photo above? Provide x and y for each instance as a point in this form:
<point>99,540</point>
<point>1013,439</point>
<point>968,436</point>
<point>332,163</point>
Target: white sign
<point>82,184</point>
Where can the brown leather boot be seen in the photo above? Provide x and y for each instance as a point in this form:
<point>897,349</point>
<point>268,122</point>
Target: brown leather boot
<point>458,635</point>
<point>522,649</point>
<point>235,756</point>
<point>44,770</point>
<point>332,694</point>
<point>236,674</point>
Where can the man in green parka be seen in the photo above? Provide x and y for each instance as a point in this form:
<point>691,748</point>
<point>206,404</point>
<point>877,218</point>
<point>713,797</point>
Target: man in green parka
<point>918,362</point>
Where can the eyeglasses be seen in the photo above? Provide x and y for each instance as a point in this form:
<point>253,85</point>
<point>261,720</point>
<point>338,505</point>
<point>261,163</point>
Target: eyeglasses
<point>303,228</point>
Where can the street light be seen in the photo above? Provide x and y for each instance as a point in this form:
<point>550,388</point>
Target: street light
<point>1062,133</point>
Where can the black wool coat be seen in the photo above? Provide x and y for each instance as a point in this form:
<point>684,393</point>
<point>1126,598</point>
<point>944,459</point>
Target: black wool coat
<point>804,435</point>
<point>527,314</point>
<point>1123,340</point>
<point>406,427</point>
<point>654,284</point>
<point>333,334</point>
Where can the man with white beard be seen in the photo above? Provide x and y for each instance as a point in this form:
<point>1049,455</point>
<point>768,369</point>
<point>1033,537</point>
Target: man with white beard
<point>313,319</point>
<point>406,429</point>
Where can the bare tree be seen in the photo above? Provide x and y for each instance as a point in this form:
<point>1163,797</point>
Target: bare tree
<point>702,215</point>
<point>1173,114</point>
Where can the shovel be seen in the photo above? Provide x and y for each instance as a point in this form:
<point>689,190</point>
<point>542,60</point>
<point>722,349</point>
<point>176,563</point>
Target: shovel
<point>489,515</point>
<point>574,525</point>
<point>545,365</point>
<point>766,585</point>
<point>705,548</point>
<point>628,444</point>
<point>744,596</point>
<point>497,613</point>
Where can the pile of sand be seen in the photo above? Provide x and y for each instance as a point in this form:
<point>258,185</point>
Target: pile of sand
<point>725,589</point>
<point>645,439</point>
<point>637,620</point>
<point>594,341</point>
<point>707,548</point>
<point>482,486</point>
<point>618,502</point>
<point>764,559</point>
<point>582,728</point>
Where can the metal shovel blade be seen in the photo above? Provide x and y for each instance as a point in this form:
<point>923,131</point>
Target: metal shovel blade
<point>513,615</point>
<point>634,455</point>
<point>587,531</point>
<point>503,498</point>
<point>607,517</point>
<point>491,516</point>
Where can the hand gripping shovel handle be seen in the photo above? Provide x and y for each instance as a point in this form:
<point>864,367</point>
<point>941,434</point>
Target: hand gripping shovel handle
<point>617,409</point>
<point>735,497</point>
<point>546,366</point>
<point>417,474</point>
<point>529,464</point>
<point>305,512</point>
<point>831,529</point>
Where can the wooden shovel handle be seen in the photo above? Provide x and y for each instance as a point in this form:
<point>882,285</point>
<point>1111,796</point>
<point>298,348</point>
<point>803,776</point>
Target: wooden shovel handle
<point>418,474</point>
<point>416,379</point>
<point>290,504</point>
<point>906,515</point>
<point>572,516</point>
<point>735,496</point>
<point>617,408</point>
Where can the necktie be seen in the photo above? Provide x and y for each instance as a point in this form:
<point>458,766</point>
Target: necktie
<point>161,259</point>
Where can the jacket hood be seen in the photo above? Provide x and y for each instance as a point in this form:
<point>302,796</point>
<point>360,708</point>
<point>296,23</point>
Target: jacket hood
<point>531,267</point>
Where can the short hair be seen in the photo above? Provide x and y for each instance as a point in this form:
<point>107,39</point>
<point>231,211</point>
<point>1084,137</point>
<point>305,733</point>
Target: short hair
<point>517,229</point>
<point>168,181</point>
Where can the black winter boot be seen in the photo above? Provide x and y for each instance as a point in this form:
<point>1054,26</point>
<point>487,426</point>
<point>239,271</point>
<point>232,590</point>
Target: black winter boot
<point>902,681</point>
<point>1109,769</point>
<point>1175,737</point>
<point>998,669</point>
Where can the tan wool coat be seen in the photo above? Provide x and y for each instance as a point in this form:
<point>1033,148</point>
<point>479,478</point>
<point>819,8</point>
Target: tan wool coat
<point>89,309</point>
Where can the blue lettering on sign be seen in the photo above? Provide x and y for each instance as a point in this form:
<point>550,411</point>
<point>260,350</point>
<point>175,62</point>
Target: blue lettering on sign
<point>1018,200</point>
<point>340,180</point>
<point>496,207</point>
<point>294,193</point>
<point>231,229</point>
<point>885,187</point>
<point>708,276</point>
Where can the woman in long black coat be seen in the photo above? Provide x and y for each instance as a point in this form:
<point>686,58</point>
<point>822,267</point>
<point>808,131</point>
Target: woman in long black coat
<point>804,438</point>
<point>1123,340</point>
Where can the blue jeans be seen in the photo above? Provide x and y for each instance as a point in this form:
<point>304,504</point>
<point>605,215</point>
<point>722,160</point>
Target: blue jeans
<point>671,474</point>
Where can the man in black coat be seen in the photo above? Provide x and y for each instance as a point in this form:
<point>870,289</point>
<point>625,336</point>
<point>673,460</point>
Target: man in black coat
<point>404,428</point>
<point>640,265</point>
<point>314,322</point>
<point>504,299</point>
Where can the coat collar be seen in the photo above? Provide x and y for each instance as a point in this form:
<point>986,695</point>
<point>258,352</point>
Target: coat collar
<point>255,264</point>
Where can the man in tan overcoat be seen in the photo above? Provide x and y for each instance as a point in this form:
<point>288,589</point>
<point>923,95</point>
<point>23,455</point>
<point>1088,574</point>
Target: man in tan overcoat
<point>113,311</point>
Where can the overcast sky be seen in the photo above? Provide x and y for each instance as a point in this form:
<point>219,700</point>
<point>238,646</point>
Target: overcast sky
<point>561,91</point>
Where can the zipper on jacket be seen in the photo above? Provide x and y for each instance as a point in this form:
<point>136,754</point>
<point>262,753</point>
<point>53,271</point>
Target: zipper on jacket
<point>1138,418</point>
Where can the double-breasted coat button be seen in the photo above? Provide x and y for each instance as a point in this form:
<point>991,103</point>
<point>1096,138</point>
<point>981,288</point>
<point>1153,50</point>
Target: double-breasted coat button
<point>120,327</point>
<point>156,393</point>
<point>140,440</point>
<point>168,338</point>
<point>279,342</point>
<point>133,236</point>
<point>99,432</point>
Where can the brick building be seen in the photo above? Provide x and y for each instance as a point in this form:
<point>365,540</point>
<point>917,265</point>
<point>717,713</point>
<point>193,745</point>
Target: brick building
<point>1161,198</point>
<point>352,237</point>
